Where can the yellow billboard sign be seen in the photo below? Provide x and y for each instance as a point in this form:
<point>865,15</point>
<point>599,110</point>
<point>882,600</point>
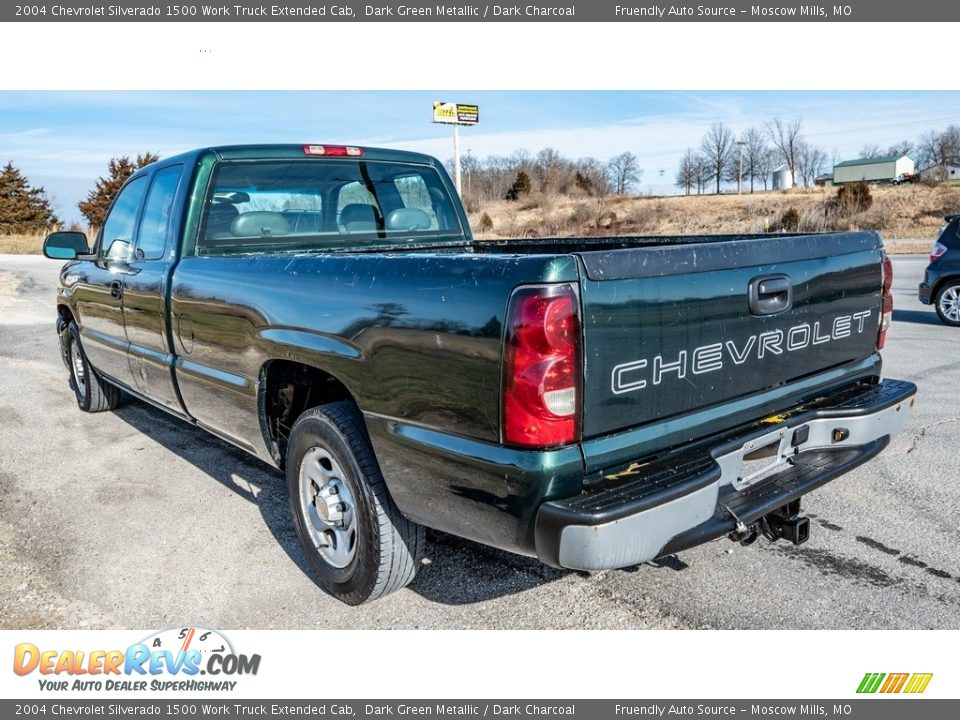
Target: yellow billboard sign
<point>450,113</point>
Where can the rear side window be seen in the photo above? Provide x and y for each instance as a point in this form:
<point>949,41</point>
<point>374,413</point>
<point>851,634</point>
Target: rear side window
<point>950,236</point>
<point>158,213</point>
<point>323,204</point>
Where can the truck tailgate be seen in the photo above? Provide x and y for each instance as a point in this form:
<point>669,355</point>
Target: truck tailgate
<point>673,327</point>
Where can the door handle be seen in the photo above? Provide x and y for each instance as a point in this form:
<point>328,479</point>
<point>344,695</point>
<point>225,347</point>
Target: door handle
<point>770,295</point>
<point>116,289</point>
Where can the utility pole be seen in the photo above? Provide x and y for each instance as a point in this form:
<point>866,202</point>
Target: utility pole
<point>740,144</point>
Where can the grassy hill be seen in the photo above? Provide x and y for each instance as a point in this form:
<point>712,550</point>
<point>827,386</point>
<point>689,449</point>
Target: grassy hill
<point>910,211</point>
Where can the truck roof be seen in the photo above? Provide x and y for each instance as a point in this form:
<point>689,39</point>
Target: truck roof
<point>289,150</point>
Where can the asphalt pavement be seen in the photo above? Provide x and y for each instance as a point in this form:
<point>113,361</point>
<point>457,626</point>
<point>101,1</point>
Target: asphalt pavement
<point>132,519</point>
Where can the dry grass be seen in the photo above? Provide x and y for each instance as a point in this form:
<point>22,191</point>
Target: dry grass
<point>913,212</point>
<point>21,244</point>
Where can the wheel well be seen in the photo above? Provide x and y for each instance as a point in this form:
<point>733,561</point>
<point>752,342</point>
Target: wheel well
<point>939,286</point>
<point>64,315</point>
<point>287,389</point>
<point>64,318</point>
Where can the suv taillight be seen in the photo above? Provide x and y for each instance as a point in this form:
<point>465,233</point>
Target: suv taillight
<point>886,311</point>
<point>542,367</point>
<point>936,251</point>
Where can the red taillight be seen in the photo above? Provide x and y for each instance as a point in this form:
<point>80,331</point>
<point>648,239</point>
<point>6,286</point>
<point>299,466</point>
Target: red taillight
<point>886,308</point>
<point>333,150</point>
<point>936,251</point>
<point>542,367</point>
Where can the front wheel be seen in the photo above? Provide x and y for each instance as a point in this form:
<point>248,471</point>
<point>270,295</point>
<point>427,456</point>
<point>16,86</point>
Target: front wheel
<point>948,303</point>
<point>353,535</point>
<point>93,393</point>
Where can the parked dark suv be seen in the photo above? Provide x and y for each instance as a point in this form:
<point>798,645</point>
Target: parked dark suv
<point>941,283</point>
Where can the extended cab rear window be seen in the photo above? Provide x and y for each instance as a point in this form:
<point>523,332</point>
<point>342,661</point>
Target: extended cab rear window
<point>323,204</point>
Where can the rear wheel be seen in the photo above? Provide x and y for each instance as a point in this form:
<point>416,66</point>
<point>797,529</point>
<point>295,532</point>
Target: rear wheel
<point>93,393</point>
<point>948,303</point>
<point>353,535</point>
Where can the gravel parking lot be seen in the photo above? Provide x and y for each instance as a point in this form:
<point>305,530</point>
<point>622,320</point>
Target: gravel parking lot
<point>132,519</point>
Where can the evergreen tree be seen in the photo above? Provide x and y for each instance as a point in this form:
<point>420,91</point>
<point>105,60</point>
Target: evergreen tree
<point>95,207</point>
<point>521,186</point>
<point>23,209</point>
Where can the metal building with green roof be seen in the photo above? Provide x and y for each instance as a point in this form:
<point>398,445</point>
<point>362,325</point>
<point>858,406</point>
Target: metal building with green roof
<point>876,169</point>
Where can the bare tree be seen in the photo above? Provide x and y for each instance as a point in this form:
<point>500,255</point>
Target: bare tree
<point>835,157</point>
<point>811,160</point>
<point>702,172</point>
<point>593,179</point>
<point>522,159</point>
<point>687,173</point>
<point>904,147</point>
<point>785,136</point>
<point>624,171</point>
<point>871,150</point>
<point>765,163</point>
<point>940,149</point>
<point>755,149</point>
<point>549,168</point>
<point>716,147</point>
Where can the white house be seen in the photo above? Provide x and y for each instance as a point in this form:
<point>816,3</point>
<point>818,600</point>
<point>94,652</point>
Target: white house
<point>940,172</point>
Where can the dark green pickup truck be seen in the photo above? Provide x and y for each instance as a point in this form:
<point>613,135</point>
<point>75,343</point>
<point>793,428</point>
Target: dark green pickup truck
<point>594,402</point>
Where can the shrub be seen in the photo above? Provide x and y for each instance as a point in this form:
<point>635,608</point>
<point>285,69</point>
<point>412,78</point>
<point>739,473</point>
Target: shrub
<point>853,198</point>
<point>790,220</point>
<point>607,219</point>
<point>581,215</point>
<point>583,182</point>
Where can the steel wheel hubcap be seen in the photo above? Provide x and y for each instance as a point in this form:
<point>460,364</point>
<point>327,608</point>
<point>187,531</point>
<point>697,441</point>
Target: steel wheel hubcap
<point>328,507</point>
<point>79,373</point>
<point>950,303</point>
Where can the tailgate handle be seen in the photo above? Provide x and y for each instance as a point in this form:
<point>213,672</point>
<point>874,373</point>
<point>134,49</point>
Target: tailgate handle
<point>770,295</point>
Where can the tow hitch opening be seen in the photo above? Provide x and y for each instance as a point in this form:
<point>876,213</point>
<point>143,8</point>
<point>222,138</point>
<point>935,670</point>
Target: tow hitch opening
<point>784,523</point>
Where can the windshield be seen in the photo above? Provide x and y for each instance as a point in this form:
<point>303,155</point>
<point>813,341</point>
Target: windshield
<point>323,205</point>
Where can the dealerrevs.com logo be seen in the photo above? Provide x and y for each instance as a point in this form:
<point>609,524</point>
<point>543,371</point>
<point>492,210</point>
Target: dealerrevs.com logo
<point>179,659</point>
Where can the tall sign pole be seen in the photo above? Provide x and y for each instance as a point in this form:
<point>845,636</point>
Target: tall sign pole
<point>456,114</point>
<point>456,158</point>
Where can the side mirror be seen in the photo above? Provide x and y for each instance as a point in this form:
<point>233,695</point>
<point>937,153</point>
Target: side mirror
<point>119,251</point>
<point>65,245</point>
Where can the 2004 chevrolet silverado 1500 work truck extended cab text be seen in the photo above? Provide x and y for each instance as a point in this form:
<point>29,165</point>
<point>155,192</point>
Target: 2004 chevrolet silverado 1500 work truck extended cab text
<point>594,402</point>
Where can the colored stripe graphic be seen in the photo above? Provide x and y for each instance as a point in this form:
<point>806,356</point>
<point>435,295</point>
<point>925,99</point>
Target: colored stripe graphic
<point>894,683</point>
<point>918,682</point>
<point>870,682</point>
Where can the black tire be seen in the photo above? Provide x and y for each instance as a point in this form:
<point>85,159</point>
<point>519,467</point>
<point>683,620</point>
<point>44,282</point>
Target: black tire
<point>387,548</point>
<point>93,393</point>
<point>948,295</point>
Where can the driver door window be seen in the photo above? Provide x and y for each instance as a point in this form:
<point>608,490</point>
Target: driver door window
<point>116,236</point>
